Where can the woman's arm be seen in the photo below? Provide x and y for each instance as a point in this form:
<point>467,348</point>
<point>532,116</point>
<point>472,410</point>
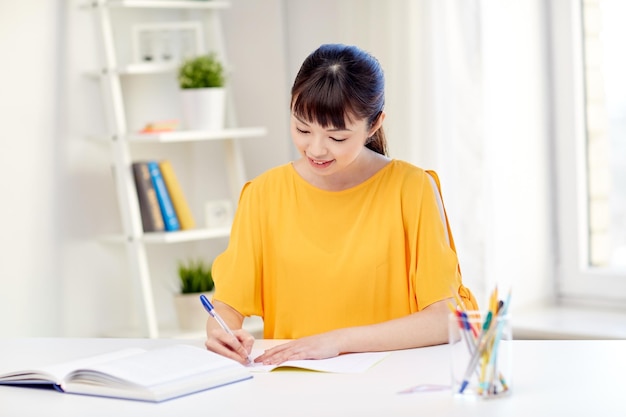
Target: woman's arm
<point>425,328</point>
<point>219,341</point>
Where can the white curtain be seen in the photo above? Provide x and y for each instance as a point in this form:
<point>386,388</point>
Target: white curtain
<point>456,57</point>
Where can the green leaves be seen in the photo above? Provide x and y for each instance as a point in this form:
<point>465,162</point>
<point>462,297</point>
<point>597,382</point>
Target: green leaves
<point>203,71</point>
<point>195,276</point>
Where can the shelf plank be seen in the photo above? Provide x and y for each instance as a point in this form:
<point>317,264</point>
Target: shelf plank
<point>149,68</point>
<point>168,4</point>
<point>185,235</point>
<point>186,136</point>
<point>253,325</point>
<point>197,135</point>
<point>173,237</point>
<point>142,68</point>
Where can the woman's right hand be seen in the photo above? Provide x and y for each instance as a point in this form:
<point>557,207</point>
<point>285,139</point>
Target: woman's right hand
<point>237,347</point>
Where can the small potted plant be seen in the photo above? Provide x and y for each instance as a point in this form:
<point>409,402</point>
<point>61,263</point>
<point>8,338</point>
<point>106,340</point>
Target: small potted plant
<point>202,80</point>
<point>195,278</point>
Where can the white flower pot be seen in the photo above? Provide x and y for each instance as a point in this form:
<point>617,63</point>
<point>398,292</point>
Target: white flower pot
<point>191,314</point>
<point>203,108</point>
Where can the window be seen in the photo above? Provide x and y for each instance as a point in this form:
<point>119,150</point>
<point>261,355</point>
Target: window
<point>605,108</point>
<point>589,103</point>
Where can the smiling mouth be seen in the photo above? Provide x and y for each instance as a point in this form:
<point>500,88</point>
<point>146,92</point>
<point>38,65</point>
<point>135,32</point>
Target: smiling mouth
<point>319,163</point>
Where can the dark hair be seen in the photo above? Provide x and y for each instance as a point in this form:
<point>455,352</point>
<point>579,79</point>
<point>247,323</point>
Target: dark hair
<point>336,82</point>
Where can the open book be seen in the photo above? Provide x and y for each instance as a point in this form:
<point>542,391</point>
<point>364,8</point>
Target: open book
<point>138,374</point>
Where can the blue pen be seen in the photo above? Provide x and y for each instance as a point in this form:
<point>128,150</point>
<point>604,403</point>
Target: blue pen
<point>481,344</point>
<point>467,335</point>
<point>211,310</point>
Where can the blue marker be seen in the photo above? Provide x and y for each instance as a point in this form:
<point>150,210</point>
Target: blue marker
<point>211,310</point>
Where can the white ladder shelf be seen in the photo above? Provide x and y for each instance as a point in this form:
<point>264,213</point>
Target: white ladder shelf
<point>120,139</point>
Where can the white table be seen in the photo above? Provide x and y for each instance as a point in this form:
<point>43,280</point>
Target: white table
<point>550,378</point>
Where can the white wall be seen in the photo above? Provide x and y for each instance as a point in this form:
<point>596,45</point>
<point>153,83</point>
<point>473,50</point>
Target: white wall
<point>55,276</point>
<point>30,294</point>
<point>256,36</point>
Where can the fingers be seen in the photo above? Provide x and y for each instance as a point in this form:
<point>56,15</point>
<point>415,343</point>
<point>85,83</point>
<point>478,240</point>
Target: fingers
<point>235,347</point>
<point>283,353</point>
<point>320,346</point>
<point>245,341</point>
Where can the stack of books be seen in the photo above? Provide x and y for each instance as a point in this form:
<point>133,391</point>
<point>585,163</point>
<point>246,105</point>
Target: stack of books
<point>161,200</point>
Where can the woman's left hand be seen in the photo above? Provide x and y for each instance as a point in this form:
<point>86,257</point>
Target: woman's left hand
<point>321,346</point>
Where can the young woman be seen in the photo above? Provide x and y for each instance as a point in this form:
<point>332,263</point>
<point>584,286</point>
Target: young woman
<point>343,250</point>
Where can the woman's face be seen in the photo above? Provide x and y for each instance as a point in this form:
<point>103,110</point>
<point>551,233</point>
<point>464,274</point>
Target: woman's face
<point>329,150</point>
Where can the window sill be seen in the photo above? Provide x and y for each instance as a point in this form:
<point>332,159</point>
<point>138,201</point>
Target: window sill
<point>567,322</point>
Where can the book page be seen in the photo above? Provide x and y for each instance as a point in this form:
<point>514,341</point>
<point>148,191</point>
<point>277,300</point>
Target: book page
<point>158,366</point>
<point>346,363</point>
<point>157,375</point>
<point>56,373</point>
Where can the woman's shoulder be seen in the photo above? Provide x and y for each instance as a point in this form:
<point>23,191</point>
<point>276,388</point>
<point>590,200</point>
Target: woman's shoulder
<point>410,178</point>
<point>406,170</point>
<point>268,183</point>
<point>271,178</point>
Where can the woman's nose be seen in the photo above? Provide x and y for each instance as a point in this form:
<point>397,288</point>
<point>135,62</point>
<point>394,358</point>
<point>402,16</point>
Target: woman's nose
<point>316,148</point>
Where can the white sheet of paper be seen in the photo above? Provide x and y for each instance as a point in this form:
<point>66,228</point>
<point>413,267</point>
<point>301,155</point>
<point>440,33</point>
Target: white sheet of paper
<point>346,363</point>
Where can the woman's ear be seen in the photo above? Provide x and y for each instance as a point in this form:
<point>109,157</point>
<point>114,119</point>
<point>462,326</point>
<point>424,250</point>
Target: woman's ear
<point>377,124</point>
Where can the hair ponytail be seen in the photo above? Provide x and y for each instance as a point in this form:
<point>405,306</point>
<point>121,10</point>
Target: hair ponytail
<point>378,142</point>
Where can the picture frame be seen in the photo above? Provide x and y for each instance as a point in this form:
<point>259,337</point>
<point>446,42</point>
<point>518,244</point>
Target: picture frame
<point>218,214</point>
<point>166,42</point>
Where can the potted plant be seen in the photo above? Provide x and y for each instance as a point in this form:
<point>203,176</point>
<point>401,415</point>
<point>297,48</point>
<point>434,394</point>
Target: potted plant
<point>195,278</point>
<point>201,80</point>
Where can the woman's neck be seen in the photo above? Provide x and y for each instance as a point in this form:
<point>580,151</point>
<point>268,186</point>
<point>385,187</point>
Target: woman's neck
<point>364,167</point>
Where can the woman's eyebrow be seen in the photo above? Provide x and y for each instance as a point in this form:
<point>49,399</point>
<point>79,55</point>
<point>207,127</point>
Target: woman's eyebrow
<point>334,129</point>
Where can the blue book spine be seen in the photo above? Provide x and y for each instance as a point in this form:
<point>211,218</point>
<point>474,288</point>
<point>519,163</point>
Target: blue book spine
<point>165,202</point>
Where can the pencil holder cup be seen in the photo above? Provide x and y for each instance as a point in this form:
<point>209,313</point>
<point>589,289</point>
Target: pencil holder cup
<point>480,354</point>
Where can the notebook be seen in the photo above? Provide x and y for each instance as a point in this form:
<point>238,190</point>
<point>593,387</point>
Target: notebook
<point>348,363</point>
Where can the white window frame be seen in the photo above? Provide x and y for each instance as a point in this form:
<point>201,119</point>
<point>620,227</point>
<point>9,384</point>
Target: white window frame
<point>576,280</point>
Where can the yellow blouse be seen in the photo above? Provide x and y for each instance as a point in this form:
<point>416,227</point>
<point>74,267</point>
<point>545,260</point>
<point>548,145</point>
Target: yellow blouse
<point>309,260</point>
